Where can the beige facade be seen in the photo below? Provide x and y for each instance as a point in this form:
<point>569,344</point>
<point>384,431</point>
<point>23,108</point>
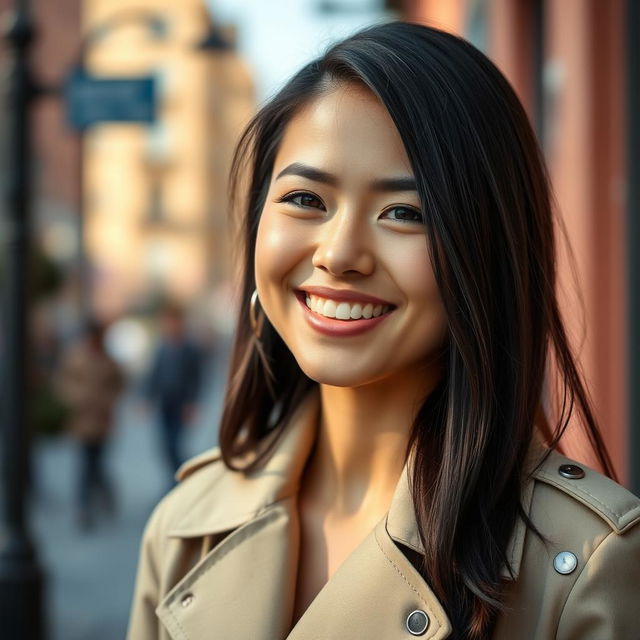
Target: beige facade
<point>155,195</point>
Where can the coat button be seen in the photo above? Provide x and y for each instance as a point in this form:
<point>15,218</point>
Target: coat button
<point>417,622</point>
<point>571,471</point>
<point>187,599</point>
<point>565,562</point>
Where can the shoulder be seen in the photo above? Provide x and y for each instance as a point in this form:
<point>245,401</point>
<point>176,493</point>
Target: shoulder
<point>572,483</point>
<point>210,459</point>
<point>197,480</point>
<point>588,562</point>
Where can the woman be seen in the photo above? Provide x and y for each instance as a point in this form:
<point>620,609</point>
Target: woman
<point>381,472</point>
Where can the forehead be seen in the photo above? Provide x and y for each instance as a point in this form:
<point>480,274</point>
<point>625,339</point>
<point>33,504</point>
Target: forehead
<point>346,130</point>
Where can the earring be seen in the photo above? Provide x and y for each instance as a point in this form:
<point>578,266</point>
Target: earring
<point>253,314</point>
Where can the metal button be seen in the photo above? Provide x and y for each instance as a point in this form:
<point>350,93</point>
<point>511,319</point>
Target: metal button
<point>565,562</point>
<point>571,471</point>
<point>187,599</point>
<point>417,622</point>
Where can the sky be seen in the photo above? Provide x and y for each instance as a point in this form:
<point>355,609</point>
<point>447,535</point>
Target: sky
<point>278,37</point>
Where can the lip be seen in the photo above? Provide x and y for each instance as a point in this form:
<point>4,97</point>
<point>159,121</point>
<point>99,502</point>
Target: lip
<point>344,295</point>
<point>338,328</point>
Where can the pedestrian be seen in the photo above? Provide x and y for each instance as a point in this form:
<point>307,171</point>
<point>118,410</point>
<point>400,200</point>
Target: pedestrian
<point>388,463</point>
<point>89,382</point>
<point>173,383</point>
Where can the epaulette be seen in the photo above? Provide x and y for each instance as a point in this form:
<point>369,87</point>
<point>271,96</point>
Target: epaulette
<point>613,503</point>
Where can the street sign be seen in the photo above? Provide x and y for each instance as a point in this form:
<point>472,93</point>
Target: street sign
<point>92,99</point>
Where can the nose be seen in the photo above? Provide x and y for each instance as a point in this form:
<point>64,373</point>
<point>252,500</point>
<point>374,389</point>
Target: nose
<point>343,246</point>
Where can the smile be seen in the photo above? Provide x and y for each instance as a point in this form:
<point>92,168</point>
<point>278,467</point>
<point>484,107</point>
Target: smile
<point>343,310</point>
<point>342,318</point>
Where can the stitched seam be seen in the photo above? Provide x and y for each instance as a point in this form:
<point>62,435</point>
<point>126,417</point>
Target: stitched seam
<point>606,508</point>
<point>435,615</point>
<point>234,539</point>
<point>242,520</point>
<point>219,527</point>
<point>175,623</point>
<point>178,624</point>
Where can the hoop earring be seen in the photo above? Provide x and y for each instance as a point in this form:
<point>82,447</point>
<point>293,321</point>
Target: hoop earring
<point>253,314</point>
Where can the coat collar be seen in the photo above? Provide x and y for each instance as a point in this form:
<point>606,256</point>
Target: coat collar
<point>249,495</point>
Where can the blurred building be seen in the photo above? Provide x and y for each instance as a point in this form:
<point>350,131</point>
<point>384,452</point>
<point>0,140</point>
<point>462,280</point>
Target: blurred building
<point>155,196</point>
<point>566,60</point>
<point>55,149</point>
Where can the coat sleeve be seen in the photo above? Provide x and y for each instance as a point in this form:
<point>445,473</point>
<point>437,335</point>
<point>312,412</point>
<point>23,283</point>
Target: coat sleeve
<point>143,622</point>
<point>604,603</point>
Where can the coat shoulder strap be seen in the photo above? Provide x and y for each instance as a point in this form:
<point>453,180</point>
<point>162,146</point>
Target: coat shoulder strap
<point>613,503</point>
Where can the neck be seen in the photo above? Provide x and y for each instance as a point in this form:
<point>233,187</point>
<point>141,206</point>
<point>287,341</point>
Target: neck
<point>362,439</point>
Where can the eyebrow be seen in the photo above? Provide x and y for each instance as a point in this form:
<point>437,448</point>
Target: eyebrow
<point>317,175</point>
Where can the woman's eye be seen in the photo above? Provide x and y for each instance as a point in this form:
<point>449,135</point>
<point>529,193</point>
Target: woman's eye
<point>404,214</point>
<point>303,199</point>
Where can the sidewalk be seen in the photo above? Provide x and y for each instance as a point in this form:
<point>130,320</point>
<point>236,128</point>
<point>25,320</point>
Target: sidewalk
<point>90,576</point>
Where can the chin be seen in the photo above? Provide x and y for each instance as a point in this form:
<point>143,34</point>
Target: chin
<point>336,376</point>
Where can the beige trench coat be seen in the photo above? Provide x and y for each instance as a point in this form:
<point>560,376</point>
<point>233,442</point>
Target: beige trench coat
<point>219,558</point>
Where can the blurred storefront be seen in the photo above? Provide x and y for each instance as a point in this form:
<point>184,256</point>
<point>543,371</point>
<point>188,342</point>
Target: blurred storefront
<point>155,195</point>
<point>567,60</point>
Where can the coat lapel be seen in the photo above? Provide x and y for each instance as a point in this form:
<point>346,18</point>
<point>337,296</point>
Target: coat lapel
<point>402,526</point>
<point>371,595</point>
<point>245,586</point>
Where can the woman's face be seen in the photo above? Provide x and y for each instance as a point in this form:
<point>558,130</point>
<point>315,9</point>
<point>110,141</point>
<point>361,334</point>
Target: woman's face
<point>341,263</point>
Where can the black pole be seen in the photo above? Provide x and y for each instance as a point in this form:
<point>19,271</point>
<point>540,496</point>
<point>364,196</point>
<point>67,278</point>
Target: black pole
<point>21,580</point>
<point>633,234</point>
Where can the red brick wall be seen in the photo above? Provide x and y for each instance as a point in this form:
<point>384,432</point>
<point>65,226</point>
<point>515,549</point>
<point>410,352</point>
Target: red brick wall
<point>55,147</point>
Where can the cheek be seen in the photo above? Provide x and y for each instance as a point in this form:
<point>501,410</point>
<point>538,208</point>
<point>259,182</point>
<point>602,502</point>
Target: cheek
<point>279,250</point>
<point>414,274</point>
<point>272,249</point>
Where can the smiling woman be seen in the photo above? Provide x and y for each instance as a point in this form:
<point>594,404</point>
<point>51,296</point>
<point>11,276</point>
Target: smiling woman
<point>341,262</point>
<point>387,467</point>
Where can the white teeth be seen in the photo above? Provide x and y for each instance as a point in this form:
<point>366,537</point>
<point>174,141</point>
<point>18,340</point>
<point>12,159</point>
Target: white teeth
<point>329,309</point>
<point>345,310</point>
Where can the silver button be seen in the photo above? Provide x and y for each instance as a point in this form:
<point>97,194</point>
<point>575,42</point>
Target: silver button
<point>565,562</point>
<point>571,471</point>
<point>187,599</point>
<point>417,622</point>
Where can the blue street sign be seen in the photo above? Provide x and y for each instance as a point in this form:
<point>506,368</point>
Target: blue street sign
<point>92,99</point>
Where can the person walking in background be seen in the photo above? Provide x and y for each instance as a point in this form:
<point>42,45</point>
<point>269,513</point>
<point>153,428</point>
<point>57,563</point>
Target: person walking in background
<point>173,382</point>
<point>89,382</point>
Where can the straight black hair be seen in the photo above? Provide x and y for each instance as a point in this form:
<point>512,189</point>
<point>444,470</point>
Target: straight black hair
<point>488,212</point>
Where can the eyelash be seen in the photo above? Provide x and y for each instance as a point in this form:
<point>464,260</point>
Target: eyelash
<point>290,196</point>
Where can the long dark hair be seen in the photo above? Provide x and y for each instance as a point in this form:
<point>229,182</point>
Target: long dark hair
<point>488,212</point>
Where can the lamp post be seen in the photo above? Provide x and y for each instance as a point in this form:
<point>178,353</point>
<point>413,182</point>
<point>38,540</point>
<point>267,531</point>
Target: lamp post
<point>21,579</point>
